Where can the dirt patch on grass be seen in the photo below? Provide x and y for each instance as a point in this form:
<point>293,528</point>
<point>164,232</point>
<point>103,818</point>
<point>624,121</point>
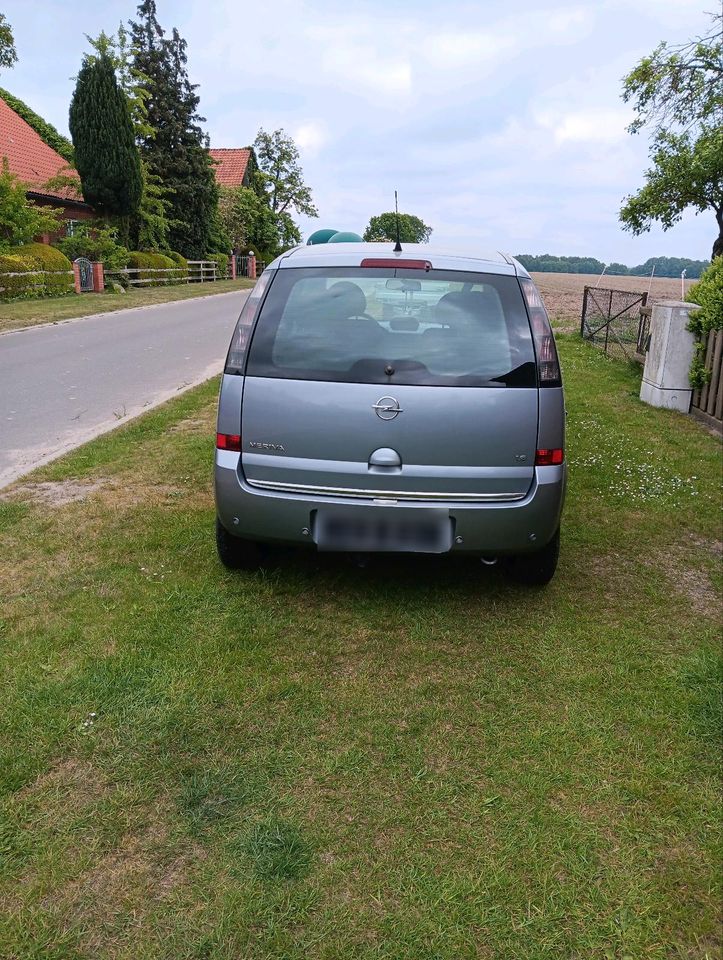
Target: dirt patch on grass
<point>73,781</point>
<point>689,581</point>
<point>192,425</point>
<point>58,493</point>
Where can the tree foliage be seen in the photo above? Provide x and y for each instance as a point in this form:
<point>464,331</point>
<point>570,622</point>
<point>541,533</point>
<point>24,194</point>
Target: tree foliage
<point>280,176</point>
<point>664,266</point>
<point>686,171</point>
<point>106,156</point>
<point>708,293</point>
<point>251,224</point>
<point>118,47</point>
<point>678,91</point>
<point>97,241</point>
<point>175,150</point>
<point>149,227</point>
<point>384,227</point>
<point>20,220</point>
<point>8,53</point>
<point>679,86</point>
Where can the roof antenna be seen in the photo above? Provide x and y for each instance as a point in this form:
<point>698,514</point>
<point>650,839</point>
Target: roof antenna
<point>398,244</point>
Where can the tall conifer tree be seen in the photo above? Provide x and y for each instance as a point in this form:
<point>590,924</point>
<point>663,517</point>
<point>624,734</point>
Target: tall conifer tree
<point>106,155</point>
<point>177,153</point>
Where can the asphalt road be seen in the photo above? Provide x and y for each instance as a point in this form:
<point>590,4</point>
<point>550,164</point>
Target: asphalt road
<point>62,384</point>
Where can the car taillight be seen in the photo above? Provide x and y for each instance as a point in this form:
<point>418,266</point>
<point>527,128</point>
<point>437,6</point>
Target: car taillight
<point>550,457</point>
<point>547,363</point>
<point>228,441</point>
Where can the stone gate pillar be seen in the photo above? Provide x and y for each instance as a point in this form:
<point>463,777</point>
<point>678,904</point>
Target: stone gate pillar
<point>666,380</point>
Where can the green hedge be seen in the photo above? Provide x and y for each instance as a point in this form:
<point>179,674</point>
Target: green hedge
<point>59,279</point>
<point>12,288</point>
<point>182,273</point>
<point>221,261</point>
<point>708,292</point>
<point>147,262</point>
<point>32,258</point>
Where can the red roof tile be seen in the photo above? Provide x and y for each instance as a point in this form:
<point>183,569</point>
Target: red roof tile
<point>231,163</point>
<point>29,157</point>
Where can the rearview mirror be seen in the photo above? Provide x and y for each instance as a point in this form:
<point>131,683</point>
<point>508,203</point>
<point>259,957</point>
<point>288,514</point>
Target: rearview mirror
<point>406,286</point>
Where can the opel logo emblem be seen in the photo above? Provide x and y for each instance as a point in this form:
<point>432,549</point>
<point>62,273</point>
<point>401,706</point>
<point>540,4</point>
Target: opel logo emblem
<point>387,408</point>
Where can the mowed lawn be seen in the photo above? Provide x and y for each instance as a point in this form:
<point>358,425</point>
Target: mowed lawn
<point>416,759</point>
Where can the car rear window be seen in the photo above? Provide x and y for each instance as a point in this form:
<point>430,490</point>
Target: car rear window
<point>393,326</point>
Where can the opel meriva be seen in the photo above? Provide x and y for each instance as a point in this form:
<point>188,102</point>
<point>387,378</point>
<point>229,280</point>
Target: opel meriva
<point>374,400</point>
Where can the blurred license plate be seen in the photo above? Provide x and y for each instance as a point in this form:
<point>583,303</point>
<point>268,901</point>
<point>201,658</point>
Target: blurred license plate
<point>371,529</point>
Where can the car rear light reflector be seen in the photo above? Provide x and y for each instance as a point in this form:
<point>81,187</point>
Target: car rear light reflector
<point>393,262</point>
<point>228,441</point>
<point>548,365</point>
<point>549,457</point>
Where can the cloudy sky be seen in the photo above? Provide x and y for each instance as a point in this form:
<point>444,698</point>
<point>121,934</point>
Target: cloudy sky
<point>500,124</point>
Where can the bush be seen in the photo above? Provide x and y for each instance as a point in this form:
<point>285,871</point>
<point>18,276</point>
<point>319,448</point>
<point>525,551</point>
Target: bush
<point>13,288</point>
<point>708,292</point>
<point>97,243</point>
<point>148,263</point>
<point>182,272</point>
<point>59,278</point>
<point>221,261</point>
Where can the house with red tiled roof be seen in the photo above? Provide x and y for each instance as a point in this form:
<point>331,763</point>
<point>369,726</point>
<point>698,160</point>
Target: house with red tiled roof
<point>35,163</point>
<point>234,166</point>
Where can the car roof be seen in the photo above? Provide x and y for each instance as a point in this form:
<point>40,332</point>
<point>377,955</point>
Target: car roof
<point>351,255</point>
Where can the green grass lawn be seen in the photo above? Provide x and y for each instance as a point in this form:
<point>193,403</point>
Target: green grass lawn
<point>413,760</point>
<point>29,313</point>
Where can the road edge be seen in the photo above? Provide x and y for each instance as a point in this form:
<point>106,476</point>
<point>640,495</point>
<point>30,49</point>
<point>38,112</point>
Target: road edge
<point>108,426</point>
<point>114,313</point>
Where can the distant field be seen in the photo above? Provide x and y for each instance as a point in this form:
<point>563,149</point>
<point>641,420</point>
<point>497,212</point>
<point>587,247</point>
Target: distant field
<point>562,292</point>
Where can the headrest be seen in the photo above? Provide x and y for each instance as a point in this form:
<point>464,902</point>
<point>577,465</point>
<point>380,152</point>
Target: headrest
<point>346,299</point>
<point>458,308</point>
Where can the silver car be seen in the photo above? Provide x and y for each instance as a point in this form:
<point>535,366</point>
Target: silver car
<point>381,401</point>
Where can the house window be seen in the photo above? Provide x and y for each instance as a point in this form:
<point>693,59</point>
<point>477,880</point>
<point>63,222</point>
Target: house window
<point>71,227</point>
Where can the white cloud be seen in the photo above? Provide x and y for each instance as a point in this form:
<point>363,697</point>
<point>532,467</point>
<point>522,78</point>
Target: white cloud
<point>311,137</point>
<point>594,125</point>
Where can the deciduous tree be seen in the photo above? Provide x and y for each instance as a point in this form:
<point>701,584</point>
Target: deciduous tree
<point>280,176</point>
<point>678,91</point>
<point>20,220</point>
<point>250,222</point>
<point>384,227</point>
<point>8,54</point>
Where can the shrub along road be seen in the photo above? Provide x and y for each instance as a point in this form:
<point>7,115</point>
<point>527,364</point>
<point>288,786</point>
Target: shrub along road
<point>413,760</point>
<point>63,384</point>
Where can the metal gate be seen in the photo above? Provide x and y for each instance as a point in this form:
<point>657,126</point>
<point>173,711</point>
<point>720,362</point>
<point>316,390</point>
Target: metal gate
<point>85,271</point>
<point>611,319</point>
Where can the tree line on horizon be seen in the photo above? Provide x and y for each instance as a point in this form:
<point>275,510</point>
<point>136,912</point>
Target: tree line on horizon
<point>664,266</point>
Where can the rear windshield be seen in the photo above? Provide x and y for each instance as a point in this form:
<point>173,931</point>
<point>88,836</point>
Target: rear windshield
<point>392,326</point>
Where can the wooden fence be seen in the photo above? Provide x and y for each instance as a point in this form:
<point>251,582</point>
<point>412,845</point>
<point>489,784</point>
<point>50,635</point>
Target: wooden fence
<point>707,403</point>
<point>199,271</point>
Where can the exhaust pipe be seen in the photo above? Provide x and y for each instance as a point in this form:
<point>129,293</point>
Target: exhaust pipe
<point>489,561</point>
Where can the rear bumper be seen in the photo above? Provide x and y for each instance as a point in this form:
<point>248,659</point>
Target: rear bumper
<point>519,526</point>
